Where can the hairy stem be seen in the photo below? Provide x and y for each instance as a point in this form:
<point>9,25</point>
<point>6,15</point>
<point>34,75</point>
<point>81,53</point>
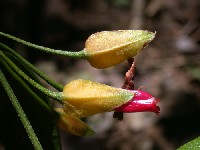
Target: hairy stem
<point>55,95</point>
<point>33,68</point>
<point>21,114</point>
<point>80,54</point>
<point>32,93</point>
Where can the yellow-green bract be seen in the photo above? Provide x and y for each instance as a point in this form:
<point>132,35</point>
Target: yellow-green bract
<point>84,98</point>
<point>108,48</point>
<point>72,124</point>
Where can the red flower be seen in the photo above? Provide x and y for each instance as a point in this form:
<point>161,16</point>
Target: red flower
<point>141,102</point>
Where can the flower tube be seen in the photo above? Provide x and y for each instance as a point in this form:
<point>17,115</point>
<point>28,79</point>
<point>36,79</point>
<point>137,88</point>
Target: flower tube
<point>141,102</point>
<point>83,98</point>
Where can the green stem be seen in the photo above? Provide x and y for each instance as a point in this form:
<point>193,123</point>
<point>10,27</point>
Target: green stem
<point>55,95</point>
<point>21,114</point>
<point>33,94</point>
<point>33,68</point>
<point>80,54</point>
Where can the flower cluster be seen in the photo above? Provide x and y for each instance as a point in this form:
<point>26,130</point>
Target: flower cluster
<point>80,98</point>
<point>84,98</point>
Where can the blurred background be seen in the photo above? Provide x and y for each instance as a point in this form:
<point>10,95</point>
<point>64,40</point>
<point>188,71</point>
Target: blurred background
<point>168,68</point>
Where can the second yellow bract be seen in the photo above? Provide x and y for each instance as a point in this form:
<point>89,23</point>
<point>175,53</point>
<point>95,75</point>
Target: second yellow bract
<point>84,98</point>
<point>108,48</point>
<point>72,124</point>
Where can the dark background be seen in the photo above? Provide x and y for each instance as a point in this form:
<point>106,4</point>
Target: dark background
<point>169,67</point>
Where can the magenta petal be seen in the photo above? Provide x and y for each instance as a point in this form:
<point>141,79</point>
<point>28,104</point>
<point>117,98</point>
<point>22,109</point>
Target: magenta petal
<point>141,102</point>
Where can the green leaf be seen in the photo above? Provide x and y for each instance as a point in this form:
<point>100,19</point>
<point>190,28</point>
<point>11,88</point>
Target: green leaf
<point>12,133</point>
<point>24,62</point>
<point>55,95</point>
<point>192,145</point>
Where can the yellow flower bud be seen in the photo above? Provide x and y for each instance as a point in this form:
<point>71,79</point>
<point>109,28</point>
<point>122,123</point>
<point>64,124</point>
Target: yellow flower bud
<point>85,98</point>
<point>108,48</point>
<point>72,124</point>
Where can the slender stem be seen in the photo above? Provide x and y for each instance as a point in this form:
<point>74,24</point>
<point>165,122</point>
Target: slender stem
<point>33,68</point>
<point>55,95</point>
<point>21,114</point>
<point>33,94</point>
<point>80,54</point>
